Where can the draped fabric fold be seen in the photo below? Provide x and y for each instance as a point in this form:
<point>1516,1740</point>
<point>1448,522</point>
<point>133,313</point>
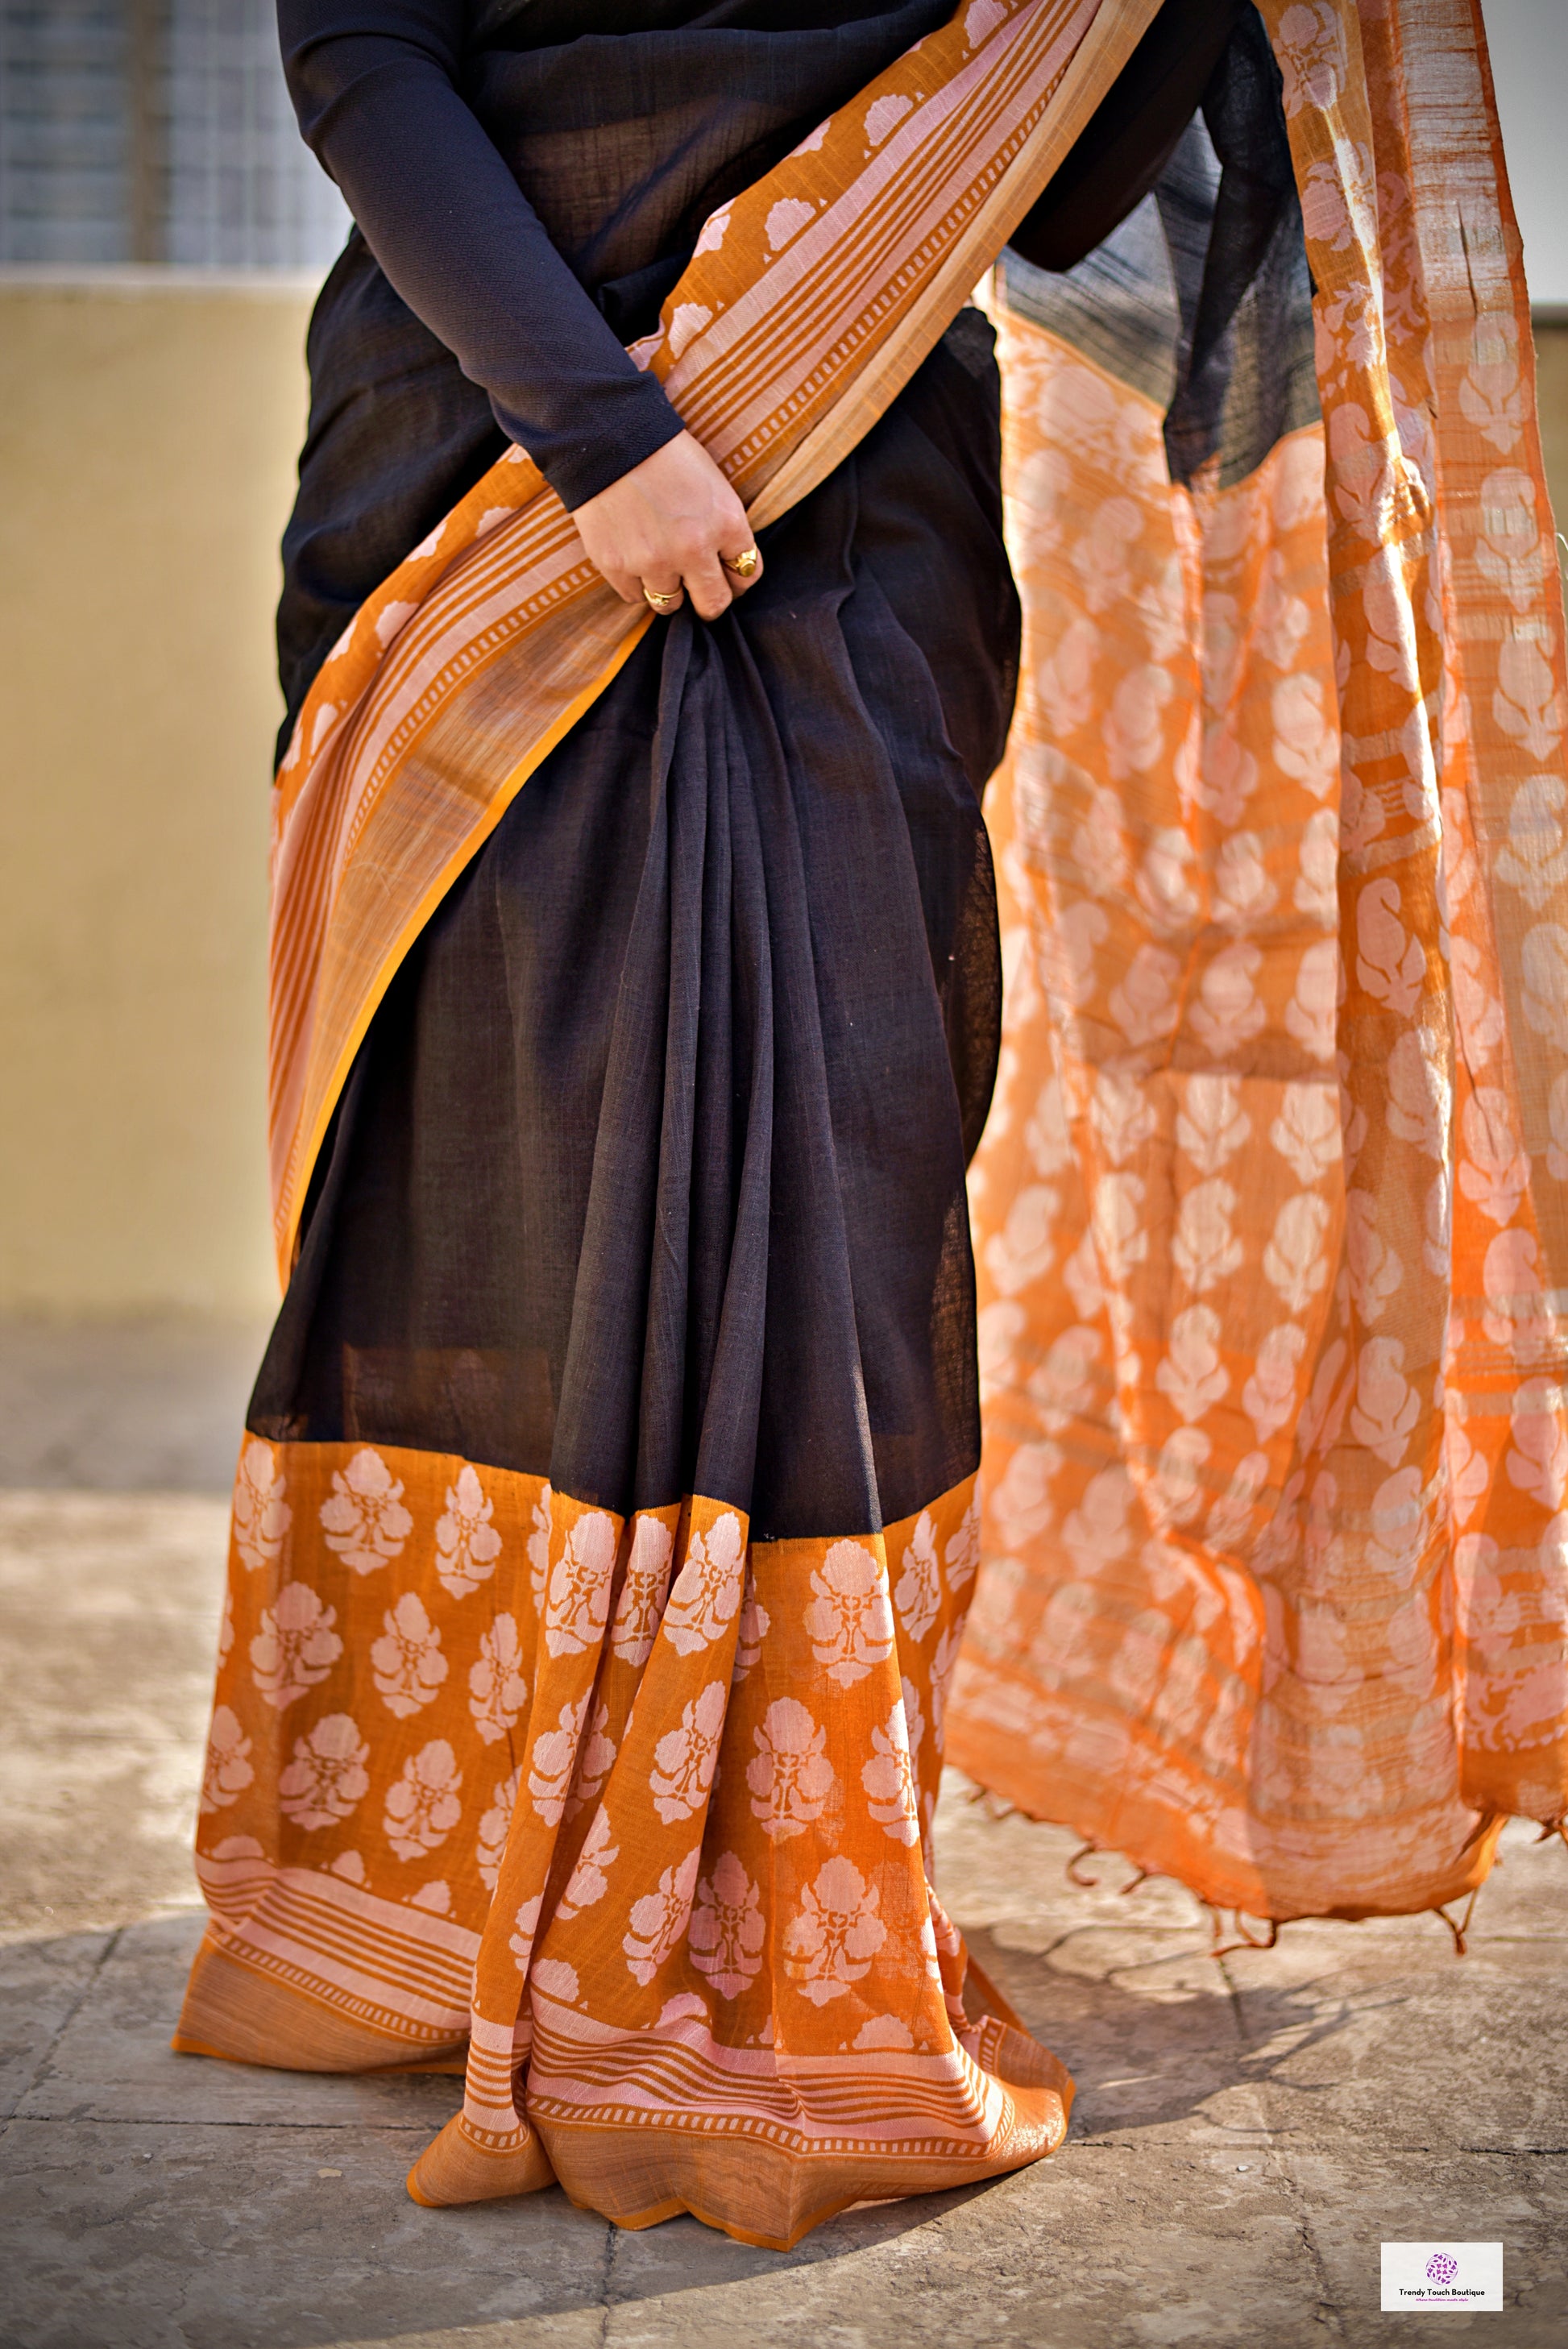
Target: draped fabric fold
<point>1270,1214</point>
<point>605,1527</point>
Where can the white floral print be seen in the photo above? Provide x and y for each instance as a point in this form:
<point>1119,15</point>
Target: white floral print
<point>706,1595</point>
<point>751,1630</point>
<point>497,1689</point>
<point>832,1942</point>
<point>685,1757</point>
<point>850,1617</point>
<point>791,1777</point>
<point>467,1543</point>
<point>226,1627</point>
<point>962,1551</point>
<point>328,1775</point>
<point>591,1878</point>
<point>494,1826</point>
<point>555,1979</point>
<point>943,1664</point>
<point>521,1942</point>
<point>889,1780</point>
<point>422,1806</point>
<point>919,1593</point>
<point>727,1929</point>
<point>228,1770</point>
<point>1310,51</point>
<point>913,1718</point>
<point>579,1597</point>
<point>643,1592</point>
<point>296,1645</point>
<point>539,1549</point>
<point>365,1520</point>
<point>658,1921</point>
<point>594,1761</point>
<point>262,1514</point>
<point>552,1760</point>
<point>883,2030</point>
<point>928,1949</point>
<point>406,1659</point>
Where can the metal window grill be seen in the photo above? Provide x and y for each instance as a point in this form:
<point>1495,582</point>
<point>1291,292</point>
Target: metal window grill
<point>154,131</point>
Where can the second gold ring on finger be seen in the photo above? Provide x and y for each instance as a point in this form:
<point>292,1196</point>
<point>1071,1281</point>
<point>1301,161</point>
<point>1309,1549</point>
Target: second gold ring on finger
<point>662,600</point>
<point>743,565</point>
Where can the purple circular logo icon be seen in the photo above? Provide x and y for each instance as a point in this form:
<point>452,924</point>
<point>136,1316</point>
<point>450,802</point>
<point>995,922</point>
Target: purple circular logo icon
<point>1441,2267</point>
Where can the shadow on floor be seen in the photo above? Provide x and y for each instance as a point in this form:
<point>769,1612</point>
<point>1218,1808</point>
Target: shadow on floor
<point>152,2198</point>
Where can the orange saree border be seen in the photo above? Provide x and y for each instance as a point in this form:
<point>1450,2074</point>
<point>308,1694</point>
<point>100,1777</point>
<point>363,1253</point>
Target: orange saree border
<point>630,1818</point>
<point>810,301</point>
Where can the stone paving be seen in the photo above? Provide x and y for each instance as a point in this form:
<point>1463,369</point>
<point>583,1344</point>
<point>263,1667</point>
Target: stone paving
<point>1249,2127</point>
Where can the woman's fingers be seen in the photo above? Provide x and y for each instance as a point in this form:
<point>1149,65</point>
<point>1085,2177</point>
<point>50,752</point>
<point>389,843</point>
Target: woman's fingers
<point>707,584</point>
<point>661,590</point>
<point>747,554</point>
<point>666,526</point>
<point>625,583</point>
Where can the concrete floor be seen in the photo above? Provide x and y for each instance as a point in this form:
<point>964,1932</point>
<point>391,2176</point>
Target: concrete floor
<point>130,1406</point>
<point>1248,2130</point>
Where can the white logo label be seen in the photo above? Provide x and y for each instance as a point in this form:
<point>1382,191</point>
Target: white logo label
<point>1442,2275</point>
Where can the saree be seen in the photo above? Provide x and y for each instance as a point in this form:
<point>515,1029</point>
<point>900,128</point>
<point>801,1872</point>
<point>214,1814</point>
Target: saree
<point>1269,1215</point>
<point>605,1523</point>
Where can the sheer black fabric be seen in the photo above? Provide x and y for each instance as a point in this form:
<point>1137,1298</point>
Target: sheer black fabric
<point>1124,148</point>
<point>1254,246</point>
<point>1201,296</point>
<point>650,1173</point>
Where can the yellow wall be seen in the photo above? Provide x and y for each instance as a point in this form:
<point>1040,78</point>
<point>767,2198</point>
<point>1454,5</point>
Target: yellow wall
<point>148,432</point>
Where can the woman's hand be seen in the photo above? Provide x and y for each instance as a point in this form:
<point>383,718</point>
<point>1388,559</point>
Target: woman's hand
<point>670,523</point>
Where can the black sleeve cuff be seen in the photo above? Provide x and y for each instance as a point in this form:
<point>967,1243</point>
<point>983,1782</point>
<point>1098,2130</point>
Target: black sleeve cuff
<point>620,420</point>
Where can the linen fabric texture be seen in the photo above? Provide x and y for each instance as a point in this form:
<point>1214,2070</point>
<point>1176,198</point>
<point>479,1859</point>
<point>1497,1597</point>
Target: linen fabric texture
<point>577,1721</point>
<point>606,1522</point>
<point>1270,1212</point>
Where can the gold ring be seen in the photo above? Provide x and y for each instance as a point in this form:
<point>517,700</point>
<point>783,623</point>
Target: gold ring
<point>743,565</point>
<point>660,601</point>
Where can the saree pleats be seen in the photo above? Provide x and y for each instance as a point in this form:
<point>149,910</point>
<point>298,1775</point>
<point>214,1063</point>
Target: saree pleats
<point>1269,1215</point>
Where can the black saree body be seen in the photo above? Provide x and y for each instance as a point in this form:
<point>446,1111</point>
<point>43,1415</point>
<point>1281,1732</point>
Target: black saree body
<point>650,1175</point>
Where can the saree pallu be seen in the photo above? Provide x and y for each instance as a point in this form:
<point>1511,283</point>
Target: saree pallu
<point>606,1527</point>
<point>1270,1215</point>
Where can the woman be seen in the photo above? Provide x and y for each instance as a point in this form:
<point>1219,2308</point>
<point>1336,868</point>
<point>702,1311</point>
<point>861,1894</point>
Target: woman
<point>606,1525</point>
